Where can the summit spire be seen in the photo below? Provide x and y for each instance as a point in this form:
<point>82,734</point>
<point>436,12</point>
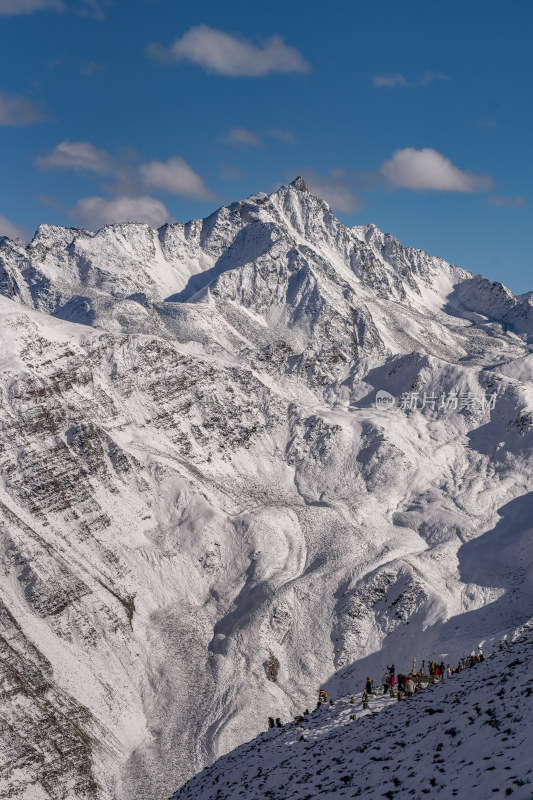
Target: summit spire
<point>300,184</point>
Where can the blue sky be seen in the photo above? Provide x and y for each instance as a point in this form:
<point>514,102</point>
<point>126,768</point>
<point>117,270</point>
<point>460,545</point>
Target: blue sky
<point>416,116</point>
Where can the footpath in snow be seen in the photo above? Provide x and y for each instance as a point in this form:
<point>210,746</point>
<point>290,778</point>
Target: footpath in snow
<point>467,738</point>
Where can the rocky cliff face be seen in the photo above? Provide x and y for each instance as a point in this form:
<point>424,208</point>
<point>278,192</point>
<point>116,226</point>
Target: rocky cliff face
<point>203,512</point>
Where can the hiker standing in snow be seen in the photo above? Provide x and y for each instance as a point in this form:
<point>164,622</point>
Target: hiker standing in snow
<point>368,686</point>
<point>385,680</point>
<point>409,687</point>
<point>442,670</point>
<point>392,669</point>
<point>449,671</point>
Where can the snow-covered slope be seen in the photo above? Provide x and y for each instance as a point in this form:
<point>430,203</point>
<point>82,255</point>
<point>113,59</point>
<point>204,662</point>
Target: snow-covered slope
<point>469,738</point>
<point>204,514</point>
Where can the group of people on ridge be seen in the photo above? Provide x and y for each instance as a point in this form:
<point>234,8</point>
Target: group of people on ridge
<point>406,685</point>
<point>401,685</point>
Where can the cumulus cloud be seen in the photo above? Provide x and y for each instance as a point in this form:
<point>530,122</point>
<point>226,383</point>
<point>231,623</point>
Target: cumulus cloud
<point>13,7</point>
<point>11,230</point>
<point>428,170</point>
<point>393,81</point>
<point>431,77</point>
<point>225,54</point>
<point>242,136</point>
<point>389,81</point>
<point>175,176</point>
<point>334,188</point>
<point>79,156</point>
<point>15,109</point>
<point>94,212</point>
<point>92,8</point>
<point>507,202</point>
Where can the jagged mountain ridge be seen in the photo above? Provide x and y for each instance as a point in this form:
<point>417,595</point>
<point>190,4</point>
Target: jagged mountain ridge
<point>196,485</point>
<point>284,257</point>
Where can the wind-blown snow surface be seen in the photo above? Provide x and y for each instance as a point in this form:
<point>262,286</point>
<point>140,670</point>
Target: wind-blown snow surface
<point>469,738</point>
<point>198,494</point>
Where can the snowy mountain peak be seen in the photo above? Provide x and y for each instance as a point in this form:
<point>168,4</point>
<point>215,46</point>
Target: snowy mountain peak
<point>300,184</point>
<point>51,234</point>
<point>284,258</point>
<point>205,512</point>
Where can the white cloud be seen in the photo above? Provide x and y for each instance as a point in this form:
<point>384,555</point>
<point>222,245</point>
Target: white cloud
<point>243,136</point>
<point>80,156</point>
<point>431,77</point>
<point>389,81</point>
<point>15,109</point>
<point>507,202</point>
<point>29,6</point>
<point>175,176</point>
<point>233,56</point>
<point>334,188</point>
<point>7,228</point>
<point>392,81</point>
<point>94,212</point>
<point>92,8</point>
<point>427,169</point>
<point>283,135</point>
